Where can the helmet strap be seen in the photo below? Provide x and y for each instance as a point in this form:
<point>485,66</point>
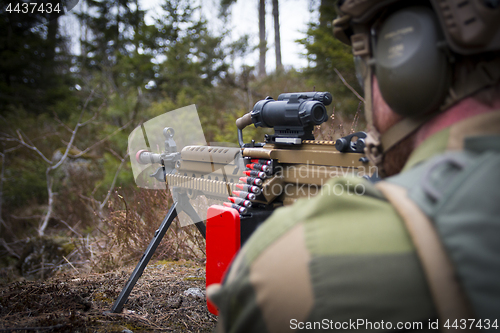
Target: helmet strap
<point>373,146</point>
<point>401,130</point>
<point>373,150</point>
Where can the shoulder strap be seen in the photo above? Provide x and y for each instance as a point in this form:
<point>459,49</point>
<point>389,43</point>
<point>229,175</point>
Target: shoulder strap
<point>449,298</point>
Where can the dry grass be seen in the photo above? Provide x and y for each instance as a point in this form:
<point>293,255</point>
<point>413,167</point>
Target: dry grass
<point>338,126</point>
<point>72,293</point>
<point>119,239</point>
<point>124,235</point>
<point>78,302</point>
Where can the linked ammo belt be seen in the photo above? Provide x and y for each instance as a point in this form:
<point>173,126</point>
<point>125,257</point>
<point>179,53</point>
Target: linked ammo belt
<point>217,188</point>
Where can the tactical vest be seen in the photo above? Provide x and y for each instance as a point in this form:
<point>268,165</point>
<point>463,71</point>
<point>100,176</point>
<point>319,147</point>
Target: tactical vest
<point>451,208</point>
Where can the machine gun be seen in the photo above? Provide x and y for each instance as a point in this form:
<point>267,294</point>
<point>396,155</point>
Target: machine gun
<point>253,179</point>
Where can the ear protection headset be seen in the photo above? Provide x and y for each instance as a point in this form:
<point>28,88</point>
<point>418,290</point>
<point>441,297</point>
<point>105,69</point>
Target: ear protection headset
<point>411,51</point>
<point>410,61</point>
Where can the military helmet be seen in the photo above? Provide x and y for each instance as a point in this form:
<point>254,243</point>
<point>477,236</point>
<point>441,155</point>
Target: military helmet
<point>415,48</point>
<point>470,26</point>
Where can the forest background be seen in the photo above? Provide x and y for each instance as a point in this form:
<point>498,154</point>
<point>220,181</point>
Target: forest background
<point>67,195</point>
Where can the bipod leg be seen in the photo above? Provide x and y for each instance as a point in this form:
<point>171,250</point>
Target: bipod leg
<point>139,269</point>
<point>201,229</point>
<point>186,206</point>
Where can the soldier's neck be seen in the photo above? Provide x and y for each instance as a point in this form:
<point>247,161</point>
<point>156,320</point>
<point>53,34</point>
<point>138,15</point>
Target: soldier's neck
<point>467,108</point>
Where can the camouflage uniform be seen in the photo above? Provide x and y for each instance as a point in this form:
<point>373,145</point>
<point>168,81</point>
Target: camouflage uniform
<point>343,256</point>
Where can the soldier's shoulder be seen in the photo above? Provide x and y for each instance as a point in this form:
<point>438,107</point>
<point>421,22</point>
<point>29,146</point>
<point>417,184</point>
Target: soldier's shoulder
<point>346,241</point>
<point>348,215</point>
<point>458,191</point>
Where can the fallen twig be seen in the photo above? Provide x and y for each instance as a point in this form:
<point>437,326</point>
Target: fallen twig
<point>348,86</point>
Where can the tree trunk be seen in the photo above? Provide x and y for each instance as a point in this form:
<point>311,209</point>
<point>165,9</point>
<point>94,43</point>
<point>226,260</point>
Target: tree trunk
<point>262,38</point>
<point>46,219</point>
<point>53,27</point>
<point>277,40</point>
<point>50,51</point>
<point>326,13</point>
<point>83,31</point>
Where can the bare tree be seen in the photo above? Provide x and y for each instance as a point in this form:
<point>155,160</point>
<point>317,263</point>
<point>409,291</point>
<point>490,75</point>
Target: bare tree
<point>225,4</point>
<point>277,39</point>
<point>262,38</point>
<point>24,141</point>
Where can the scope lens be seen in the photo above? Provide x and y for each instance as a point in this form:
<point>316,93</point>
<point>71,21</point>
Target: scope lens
<point>318,113</point>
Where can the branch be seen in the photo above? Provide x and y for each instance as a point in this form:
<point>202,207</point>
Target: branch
<point>69,262</point>
<point>73,135</point>
<point>115,154</point>
<point>356,118</point>
<point>348,86</point>
<point>61,123</point>
<point>85,123</point>
<point>88,121</point>
<point>101,206</point>
<point>101,141</point>
<point>7,247</point>
<point>26,217</point>
<point>90,199</point>
<point>70,228</point>
<point>10,149</point>
<point>32,147</point>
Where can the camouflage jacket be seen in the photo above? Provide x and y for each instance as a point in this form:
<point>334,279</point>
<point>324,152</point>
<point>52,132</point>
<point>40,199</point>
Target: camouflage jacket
<point>344,260</point>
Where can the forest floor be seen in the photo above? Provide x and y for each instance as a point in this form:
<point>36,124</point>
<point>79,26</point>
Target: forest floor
<point>72,302</point>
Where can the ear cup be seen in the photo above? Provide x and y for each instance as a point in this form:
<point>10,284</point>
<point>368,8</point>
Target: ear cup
<point>412,71</point>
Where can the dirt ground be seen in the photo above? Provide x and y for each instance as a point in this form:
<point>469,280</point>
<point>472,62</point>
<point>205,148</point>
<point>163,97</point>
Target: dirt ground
<point>74,302</point>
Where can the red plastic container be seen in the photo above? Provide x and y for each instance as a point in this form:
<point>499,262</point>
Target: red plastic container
<point>222,244</point>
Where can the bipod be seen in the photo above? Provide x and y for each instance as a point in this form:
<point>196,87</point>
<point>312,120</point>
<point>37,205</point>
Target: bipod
<point>181,203</point>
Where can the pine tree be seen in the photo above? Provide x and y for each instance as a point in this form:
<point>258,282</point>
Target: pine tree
<point>117,41</point>
<point>33,63</point>
<point>324,51</point>
<point>194,59</point>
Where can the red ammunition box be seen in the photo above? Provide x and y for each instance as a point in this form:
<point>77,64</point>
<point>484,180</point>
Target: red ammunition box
<point>222,244</point>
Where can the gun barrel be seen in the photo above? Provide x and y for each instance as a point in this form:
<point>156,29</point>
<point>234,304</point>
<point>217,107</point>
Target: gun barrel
<point>146,157</point>
<point>244,121</point>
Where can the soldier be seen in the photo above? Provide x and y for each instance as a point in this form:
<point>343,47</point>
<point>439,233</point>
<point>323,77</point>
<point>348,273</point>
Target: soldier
<point>420,248</point>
